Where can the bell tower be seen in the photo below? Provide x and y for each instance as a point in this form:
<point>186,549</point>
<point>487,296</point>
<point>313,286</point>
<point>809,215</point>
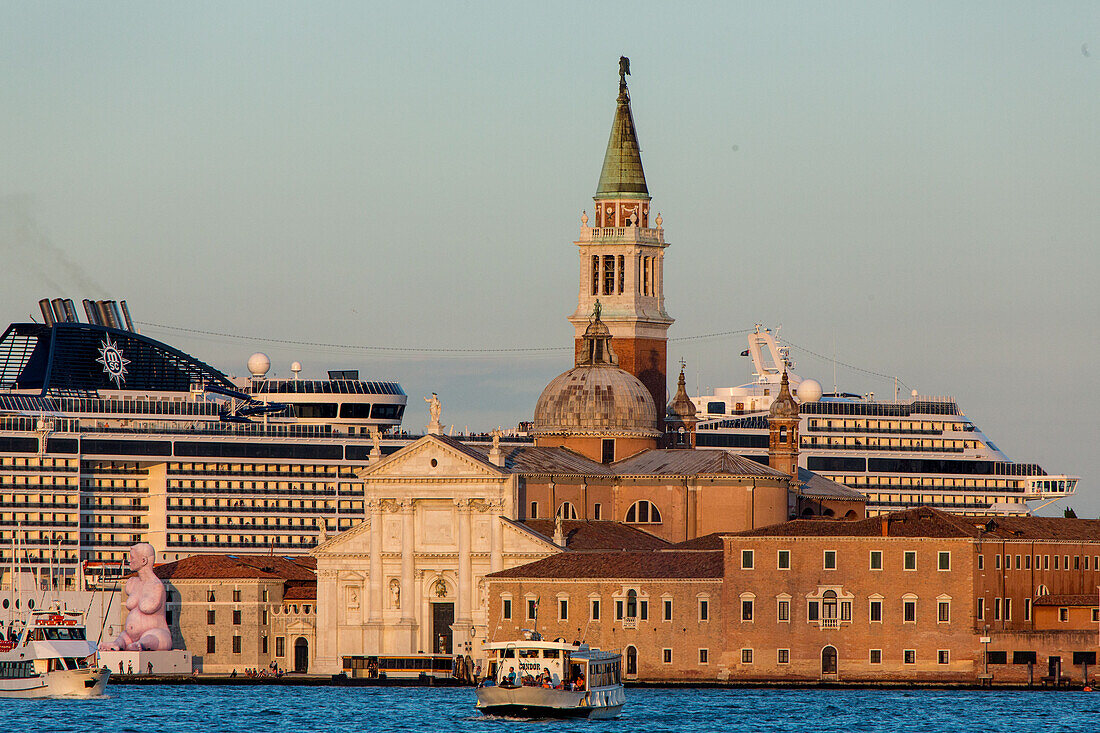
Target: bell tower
<point>622,257</point>
<point>783,431</point>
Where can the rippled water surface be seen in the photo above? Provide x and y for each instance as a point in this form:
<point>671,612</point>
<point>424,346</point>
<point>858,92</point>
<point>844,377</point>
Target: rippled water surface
<point>263,709</point>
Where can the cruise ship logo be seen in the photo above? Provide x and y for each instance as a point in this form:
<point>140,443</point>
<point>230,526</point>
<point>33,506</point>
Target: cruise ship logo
<point>110,356</point>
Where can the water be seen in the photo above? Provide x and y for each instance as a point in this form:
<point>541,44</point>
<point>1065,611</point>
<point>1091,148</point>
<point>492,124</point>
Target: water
<point>285,709</point>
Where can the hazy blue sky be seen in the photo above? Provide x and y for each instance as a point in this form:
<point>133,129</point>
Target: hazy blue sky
<point>914,183</point>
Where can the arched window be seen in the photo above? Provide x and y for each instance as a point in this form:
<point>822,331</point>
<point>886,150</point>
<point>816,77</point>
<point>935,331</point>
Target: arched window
<point>567,510</point>
<point>1042,590</point>
<point>643,512</point>
<point>828,604</point>
<point>782,433</point>
<point>632,603</point>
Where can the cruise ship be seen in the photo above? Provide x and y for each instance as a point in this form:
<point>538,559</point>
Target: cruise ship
<point>899,453</point>
<point>109,437</point>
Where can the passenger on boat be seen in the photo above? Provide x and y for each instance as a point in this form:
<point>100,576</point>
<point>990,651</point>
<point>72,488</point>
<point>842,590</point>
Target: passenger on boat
<point>510,678</point>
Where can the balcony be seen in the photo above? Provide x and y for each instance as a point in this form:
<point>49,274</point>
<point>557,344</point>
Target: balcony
<point>830,623</point>
<point>623,235</point>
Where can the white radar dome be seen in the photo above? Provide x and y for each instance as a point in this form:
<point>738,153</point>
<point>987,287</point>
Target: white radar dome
<point>258,364</point>
<point>296,366</point>
<point>809,390</point>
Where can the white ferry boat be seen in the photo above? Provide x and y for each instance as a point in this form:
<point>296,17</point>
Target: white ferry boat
<point>899,453</point>
<point>50,656</point>
<point>536,678</point>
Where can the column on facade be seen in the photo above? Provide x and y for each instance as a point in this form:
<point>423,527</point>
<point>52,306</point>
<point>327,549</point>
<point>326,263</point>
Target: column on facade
<point>375,561</point>
<point>466,591</point>
<point>496,536</point>
<point>408,547</point>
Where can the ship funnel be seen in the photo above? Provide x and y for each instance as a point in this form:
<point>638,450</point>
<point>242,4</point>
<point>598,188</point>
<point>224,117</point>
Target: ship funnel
<point>70,311</point>
<point>47,311</point>
<point>115,313</point>
<point>104,313</point>
<point>91,312</point>
<point>58,305</point>
<point>126,316</point>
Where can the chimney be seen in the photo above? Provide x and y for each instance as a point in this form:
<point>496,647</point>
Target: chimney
<point>47,311</point>
<point>90,310</point>
<point>885,527</point>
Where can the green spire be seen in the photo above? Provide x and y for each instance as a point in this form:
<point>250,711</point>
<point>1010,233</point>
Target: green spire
<point>622,175</point>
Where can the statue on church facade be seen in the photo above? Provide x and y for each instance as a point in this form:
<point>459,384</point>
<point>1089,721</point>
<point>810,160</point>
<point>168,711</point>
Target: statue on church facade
<point>395,593</point>
<point>146,624</point>
<point>435,412</point>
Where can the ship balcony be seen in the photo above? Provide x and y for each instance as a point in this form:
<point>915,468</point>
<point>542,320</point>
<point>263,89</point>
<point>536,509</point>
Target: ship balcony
<point>622,235</point>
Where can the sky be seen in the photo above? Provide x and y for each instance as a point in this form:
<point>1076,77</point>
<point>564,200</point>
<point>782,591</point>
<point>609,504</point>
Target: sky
<point>910,188</point>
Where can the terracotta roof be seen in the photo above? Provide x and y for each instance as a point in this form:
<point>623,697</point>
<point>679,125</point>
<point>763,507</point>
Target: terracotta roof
<point>816,486</point>
<point>711,541</point>
<point>664,462</point>
<point>266,567</point>
<point>1089,600</point>
<point>928,522</point>
<point>300,591</point>
<point>595,535</point>
<point>640,565</point>
<point>536,461</point>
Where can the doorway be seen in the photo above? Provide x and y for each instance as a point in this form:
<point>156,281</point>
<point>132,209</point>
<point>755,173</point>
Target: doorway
<point>828,660</point>
<point>301,655</point>
<point>443,616</point>
<point>631,661</point>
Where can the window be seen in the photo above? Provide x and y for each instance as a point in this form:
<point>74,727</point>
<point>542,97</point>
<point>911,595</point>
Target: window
<point>263,595</point>
<point>1008,609</point>
<point>875,612</point>
<point>945,560</point>
<point>981,609</point>
<point>845,610</point>
<point>236,596</point>
<point>666,656</point>
<point>1027,609</point>
<point>1065,562</point>
<point>643,512</point>
<point>643,610</point>
<point>1046,562</point>
<point>783,612</point>
<point>703,656</point>
<point>632,603</point>
<point>704,609</point>
<point>996,562</point>
<point>1055,562</point>
<point>910,560</point>
<point>596,510</point>
<point>909,656</point>
<point>263,645</point>
<point>830,559</point>
<point>875,656</point>
<point>210,596</point>
<point>943,656</point>
<point>667,615</point>
<point>981,562</point>
<point>876,559</point>
<point>1076,562</point>
<point>1096,615</point>
<point>567,510</point>
<point>236,618</point>
<point>746,610</point>
<point>746,656</point>
<point>943,613</point>
<point>595,609</point>
<point>532,608</point>
<point>828,604</point>
<point>506,611</point>
<point>1027,562</point>
<point>263,617</point>
<point>1018,564</point>
<point>534,510</point>
<point>1063,614</point>
<point>563,609</point>
<point>280,646</point>
<point>618,610</point>
<point>909,610</point>
<point>236,645</point>
<point>746,559</point>
<point>608,452</point>
<point>210,645</point>
<point>784,561</point>
<point>210,617</point>
<point>812,610</point>
<point>996,609</point>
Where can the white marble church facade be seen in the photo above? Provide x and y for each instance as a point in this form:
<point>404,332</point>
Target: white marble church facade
<point>410,578</point>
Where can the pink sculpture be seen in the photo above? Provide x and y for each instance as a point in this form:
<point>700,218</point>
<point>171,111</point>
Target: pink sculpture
<point>146,625</point>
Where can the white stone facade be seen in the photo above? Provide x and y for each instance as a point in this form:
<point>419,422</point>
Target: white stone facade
<point>438,520</point>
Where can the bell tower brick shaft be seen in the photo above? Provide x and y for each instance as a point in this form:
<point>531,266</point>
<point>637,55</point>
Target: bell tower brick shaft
<point>622,260</point>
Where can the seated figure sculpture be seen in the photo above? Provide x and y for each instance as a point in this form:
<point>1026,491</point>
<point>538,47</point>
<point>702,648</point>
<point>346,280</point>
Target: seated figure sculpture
<point>146,625</point>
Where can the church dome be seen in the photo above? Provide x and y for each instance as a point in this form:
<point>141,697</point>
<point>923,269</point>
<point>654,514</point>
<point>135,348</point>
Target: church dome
<point>596,397</point>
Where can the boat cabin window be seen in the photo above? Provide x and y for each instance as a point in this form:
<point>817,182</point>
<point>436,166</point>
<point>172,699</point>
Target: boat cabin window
<point>61,633</point>
<point>528,653</point>
<point>509,653</point>
<point>549,653</point>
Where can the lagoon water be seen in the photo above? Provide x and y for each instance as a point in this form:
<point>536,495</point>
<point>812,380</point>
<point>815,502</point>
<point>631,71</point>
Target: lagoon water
<point>288,709</point>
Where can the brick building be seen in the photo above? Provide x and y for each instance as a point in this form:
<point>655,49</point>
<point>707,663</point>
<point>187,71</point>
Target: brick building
<point>234,612</point>
<point>908,596</point>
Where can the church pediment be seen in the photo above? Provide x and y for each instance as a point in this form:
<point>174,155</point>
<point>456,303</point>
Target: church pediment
<point>434,456</point>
